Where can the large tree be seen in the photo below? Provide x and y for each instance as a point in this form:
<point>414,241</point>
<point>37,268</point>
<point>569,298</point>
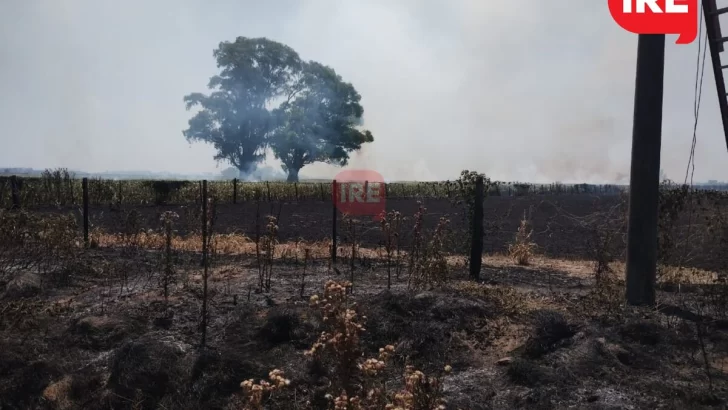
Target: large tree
<point>266,96</point>
<point>318,122</point>
<point>235,117</point>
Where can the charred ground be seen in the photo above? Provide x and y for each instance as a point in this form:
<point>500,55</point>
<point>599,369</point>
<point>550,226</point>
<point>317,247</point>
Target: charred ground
<point>92,329</point>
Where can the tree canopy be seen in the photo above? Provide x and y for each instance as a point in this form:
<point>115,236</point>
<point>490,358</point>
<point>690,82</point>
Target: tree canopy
<point>234,117</point>
<point>266,96</point>
<point>319,123</point>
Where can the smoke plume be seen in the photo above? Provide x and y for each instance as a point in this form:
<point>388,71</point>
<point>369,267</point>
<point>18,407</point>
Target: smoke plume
<point>521,90</point>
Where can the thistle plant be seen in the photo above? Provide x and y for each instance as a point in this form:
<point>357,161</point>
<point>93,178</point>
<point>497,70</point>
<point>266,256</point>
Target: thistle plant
<point>417,239</point>
<point>390,224</point>
<point>355,383</point>
<point>428,265</point>
<point>340,342</point>
<point>268,247</point>
<point>350,225</point>
<point>523,247</point>
<point>168,219</point>
<point>256,393</point>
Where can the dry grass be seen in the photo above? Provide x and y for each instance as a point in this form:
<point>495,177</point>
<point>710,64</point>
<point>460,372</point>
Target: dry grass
<point>241,245</point>
<point>58,392</point>
<point>692,276</point>
<point>506,299</point>
<point>225,244</point>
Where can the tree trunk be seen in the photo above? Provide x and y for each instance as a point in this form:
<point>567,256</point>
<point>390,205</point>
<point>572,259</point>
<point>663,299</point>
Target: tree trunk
<point>293,174</point>
<point>246,169</point>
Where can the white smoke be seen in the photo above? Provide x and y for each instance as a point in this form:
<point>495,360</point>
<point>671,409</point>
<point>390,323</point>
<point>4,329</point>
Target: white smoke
<point>521,90</point>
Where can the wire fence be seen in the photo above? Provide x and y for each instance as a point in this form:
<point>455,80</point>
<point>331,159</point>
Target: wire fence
<point>64,190</point>
<point>304,211</point>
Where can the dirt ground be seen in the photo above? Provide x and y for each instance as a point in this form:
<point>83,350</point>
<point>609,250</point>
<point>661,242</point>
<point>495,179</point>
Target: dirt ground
<point>541,336</point>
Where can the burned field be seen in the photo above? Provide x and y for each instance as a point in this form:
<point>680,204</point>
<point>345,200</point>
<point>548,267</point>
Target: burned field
<point>146,317</point>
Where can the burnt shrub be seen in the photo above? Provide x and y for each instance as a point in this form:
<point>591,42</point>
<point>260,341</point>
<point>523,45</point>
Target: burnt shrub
<point>147,368</point>
<point>551,331</point>
<point>163,190</point>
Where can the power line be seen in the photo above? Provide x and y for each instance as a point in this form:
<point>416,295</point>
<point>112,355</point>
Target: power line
<point>699,73</point>
<point>697,96</point>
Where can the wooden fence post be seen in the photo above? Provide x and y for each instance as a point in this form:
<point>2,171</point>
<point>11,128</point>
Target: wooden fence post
<point>15,191</point>
<point>333,223</point>
<point>295,186</point>
<point>84,186</point>
<point>323,197</point>
<point>120,187</point>
<point>235,190</point>
<point>70,187</point>
<point>203,324</point>
<point>476,244</point>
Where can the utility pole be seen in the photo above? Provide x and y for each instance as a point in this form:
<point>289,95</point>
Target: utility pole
<point>716,42</point>
<point>644,177</point>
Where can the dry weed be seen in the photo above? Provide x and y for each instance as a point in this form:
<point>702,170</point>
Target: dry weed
<point>523,248</point>
<point>428,261</point>
<point>255,393</point>
<point>355,383</point>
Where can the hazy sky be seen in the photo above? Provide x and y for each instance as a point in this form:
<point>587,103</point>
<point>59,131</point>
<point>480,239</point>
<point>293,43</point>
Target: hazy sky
<point>521,90</point>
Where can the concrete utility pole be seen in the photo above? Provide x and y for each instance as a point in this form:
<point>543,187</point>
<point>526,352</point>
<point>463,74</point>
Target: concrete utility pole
<point>716,42</point>
<point>645,171</point>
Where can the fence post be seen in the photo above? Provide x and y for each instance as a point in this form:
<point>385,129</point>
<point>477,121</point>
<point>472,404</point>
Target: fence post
<point>203,325</point>
<point>15,191</point>
<point>295,186</point>
<point>333,223</point>
<point>235,190</point>
<point>323,197</point>
<point>476,242</point>
<point>121,191</point>
<point>70,187</point>
<point>84,186</point>
<point>267,184</point>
